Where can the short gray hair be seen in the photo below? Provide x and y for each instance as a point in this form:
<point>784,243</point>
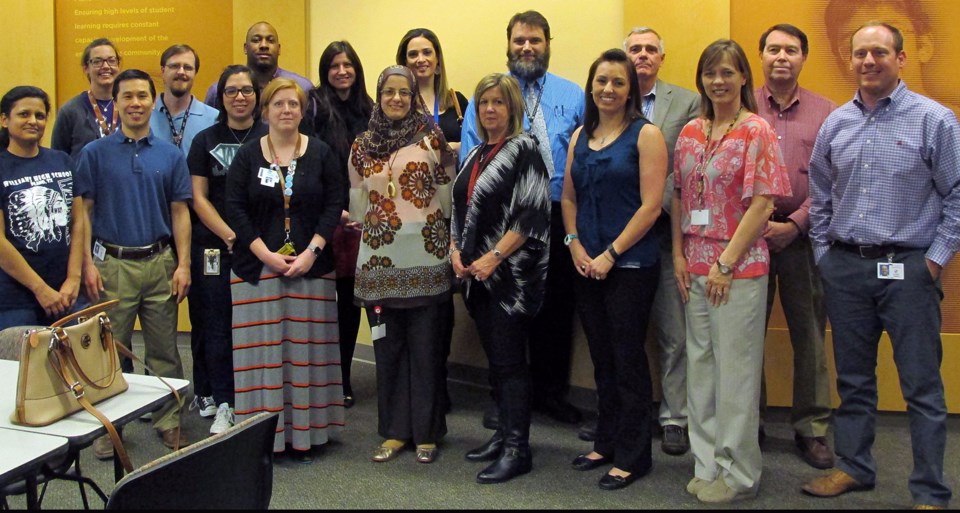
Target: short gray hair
<point>643,30</point>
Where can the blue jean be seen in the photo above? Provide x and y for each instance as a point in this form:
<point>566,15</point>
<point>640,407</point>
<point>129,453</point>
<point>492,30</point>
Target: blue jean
<point>860,306</point>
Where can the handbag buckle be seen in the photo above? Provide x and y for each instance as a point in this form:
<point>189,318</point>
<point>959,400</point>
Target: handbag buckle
<point>55,342</point>
<point>77,389</point>
<point>105,328</point>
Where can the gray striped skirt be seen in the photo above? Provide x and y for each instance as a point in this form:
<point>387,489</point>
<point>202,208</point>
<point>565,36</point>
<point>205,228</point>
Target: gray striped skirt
<point>286,356</point>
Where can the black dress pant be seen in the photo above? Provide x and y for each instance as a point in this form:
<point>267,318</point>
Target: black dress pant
<point>615,312</point>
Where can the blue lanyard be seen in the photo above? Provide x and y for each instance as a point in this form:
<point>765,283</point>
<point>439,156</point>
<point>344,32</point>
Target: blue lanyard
<point>436,108</point>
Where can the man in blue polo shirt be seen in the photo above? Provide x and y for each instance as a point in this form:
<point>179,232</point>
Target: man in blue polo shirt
<point>178,117</point>
<point>137,206</point>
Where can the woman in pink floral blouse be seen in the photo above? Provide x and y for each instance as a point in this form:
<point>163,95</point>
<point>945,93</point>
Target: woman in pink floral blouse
<point>727,172</point>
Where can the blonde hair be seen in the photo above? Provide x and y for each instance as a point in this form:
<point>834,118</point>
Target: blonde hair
<point>510,90</point>
<point>276,85</point>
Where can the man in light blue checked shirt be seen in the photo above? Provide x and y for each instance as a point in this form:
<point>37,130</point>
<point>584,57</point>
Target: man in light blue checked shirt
<point>885,219</point>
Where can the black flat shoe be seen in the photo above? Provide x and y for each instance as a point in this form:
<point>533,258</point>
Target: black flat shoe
<point>611,482</point>
<point>301,456</point>
<point>582,462</point>
<point>347,401</point>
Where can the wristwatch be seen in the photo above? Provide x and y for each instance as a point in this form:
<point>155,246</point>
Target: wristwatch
<point>569,238</point>
<point>724,268</point>
<point>314,249</point>
<point>498,254</point>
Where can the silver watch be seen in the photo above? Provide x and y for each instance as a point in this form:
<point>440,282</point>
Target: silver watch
<point>724,268</point>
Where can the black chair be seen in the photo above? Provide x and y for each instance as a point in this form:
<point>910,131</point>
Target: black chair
<point>230,470</point>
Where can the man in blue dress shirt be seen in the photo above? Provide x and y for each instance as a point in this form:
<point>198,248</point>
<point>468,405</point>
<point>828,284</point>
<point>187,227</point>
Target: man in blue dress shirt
<point>553,110</point>
<point>885,219</point>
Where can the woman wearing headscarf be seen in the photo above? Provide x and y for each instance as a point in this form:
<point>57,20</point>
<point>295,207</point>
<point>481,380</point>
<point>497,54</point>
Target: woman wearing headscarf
<point>400,175</point>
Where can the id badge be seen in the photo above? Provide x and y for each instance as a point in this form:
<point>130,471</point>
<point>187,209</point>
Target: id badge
<point>211,262</point>
<point>99,252</point>
<point>889,271</point>
<point>287,249</point>
<point>267,177</point>
<point>700,217</point>
<point>378,330</point>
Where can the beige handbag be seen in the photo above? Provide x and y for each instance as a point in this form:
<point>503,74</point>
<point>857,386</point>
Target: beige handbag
<point>64,369</point>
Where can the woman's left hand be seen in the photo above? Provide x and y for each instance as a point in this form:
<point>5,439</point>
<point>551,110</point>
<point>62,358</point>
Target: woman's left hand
<point>483,267</point>
<point>718,286</point>
<point>302,264</point>
<point>599,267</point>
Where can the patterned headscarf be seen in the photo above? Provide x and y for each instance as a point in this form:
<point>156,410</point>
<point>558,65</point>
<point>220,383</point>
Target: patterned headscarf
<point>384,135</point>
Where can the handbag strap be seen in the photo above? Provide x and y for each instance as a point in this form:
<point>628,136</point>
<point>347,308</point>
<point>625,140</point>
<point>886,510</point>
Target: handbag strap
<point>62,369</point>
<point>86,312</point>
<point>456,104</point>
<point>106,340</point>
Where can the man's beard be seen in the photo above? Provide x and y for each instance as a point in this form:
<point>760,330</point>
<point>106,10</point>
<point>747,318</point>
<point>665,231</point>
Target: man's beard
<point>178,90</point>
<point>528,70</point>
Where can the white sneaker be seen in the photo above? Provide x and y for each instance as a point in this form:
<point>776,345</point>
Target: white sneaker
<point>224,419</point>
<point>206,405</point>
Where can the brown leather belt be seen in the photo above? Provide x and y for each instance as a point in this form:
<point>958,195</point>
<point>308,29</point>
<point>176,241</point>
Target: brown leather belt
<point>135,252</point>
<point>871,252</point>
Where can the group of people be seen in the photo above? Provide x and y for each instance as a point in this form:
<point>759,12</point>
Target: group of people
<point>632,202</point>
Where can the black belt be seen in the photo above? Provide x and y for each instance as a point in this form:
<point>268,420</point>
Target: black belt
<point>135,252</point>
<point>871,252</point>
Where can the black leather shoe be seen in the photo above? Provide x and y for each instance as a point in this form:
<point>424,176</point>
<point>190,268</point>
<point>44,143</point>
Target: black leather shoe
<point>491,417</point>
<point>559,410</point>
<point>611,482</point>
<point>512,463</point>
<point>582,462</point>
<point>348,401</point>
<point>675,440</point>
<point>488,451</point>
<point>588,432</point>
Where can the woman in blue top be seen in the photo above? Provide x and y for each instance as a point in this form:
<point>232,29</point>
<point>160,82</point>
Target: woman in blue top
<point>40,238</point>
<point>611,198</point>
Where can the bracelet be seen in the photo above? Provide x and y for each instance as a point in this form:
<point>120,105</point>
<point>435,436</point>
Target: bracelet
<point>613,252</point>
<point>612,261</point>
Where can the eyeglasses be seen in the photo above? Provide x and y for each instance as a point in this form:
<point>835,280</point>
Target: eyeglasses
<point>390,93</point>
<point>113,62</point>
<point>186,67</point>
<point>232,92</point>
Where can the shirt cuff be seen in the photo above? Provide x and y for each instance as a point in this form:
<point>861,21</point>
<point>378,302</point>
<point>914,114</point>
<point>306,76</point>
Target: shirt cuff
<point>939,254</point>
<point>819,251</point>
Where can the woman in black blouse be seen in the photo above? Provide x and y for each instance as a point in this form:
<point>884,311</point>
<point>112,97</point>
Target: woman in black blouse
<point>284,199</point>
<point>343,111</point>
<point>499,239</point>
<point>420,51</point>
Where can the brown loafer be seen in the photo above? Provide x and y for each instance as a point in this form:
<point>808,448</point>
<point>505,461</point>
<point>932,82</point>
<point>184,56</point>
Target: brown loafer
<point>833,484</point>
<point>815,452</point>
<point>170,439</point>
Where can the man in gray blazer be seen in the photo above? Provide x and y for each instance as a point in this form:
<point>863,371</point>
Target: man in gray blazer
<point>670,107</point>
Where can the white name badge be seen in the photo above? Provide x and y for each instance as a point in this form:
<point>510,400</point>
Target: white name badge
<point>379,331</point>
<point>267,177</point>
<point>889,271</point>
<point>99,252</point>
<point>700,217</point>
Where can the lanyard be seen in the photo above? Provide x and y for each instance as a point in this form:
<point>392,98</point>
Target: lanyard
<point>177,136</point>
<point>479,164</point>
<point>105,128</point>
<point>287,183</point>
<point>436,110</point>
<point>533,115</point>
<point>709,152</point>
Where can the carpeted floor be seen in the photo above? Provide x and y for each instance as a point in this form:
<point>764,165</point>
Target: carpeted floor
<point>343,477</point>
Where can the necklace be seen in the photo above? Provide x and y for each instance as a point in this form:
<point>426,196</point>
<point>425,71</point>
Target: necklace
<point>710,151</point>
<point>245,134</point>
<point>391,188</point>
<point>105,127</point>
<point>603,140</point>
<point>291,168</point>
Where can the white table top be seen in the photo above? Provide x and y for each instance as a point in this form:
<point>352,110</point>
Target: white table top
<point>21,452</point>
<point>145,394</point>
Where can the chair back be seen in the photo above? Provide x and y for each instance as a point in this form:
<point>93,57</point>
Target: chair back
<point>230,470</point>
